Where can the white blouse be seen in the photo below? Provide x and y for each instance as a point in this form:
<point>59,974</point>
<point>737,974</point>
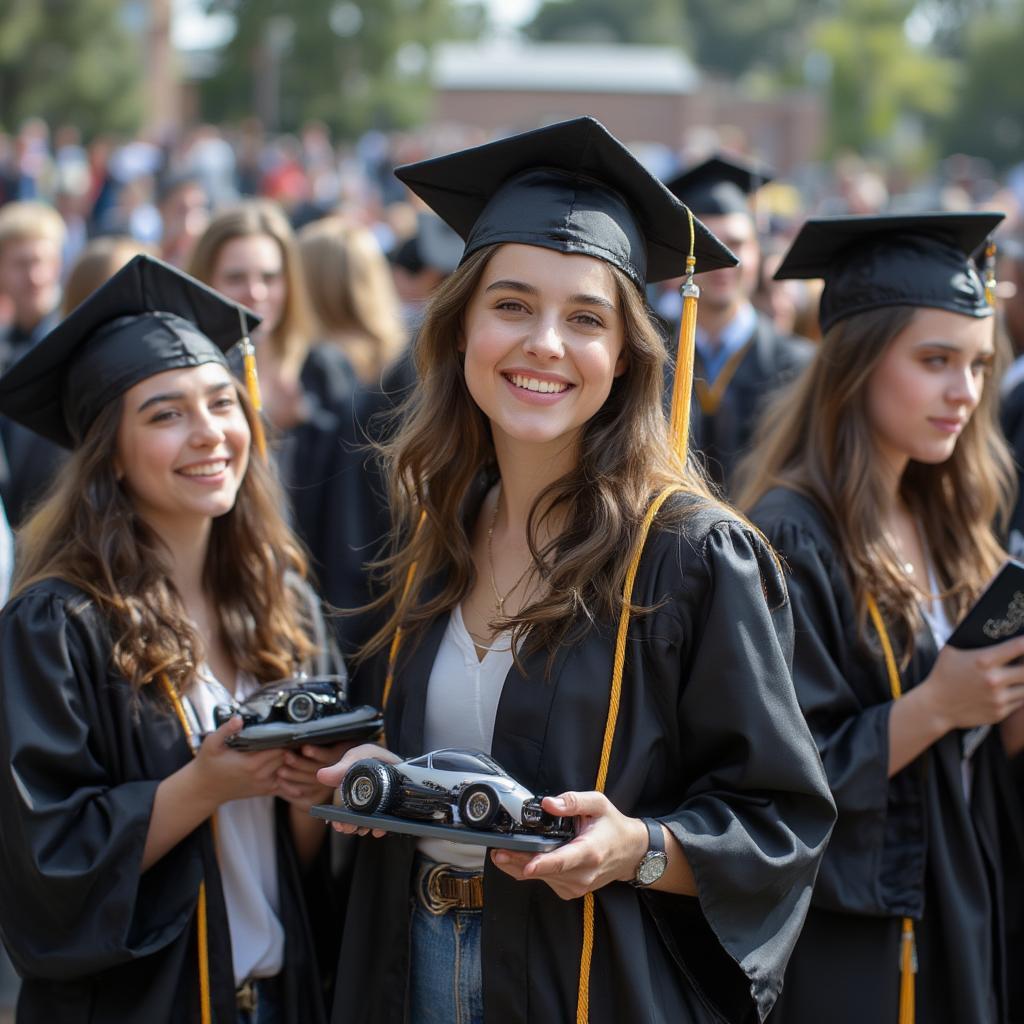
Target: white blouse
<point>246,853</point>
<point>462,702</point>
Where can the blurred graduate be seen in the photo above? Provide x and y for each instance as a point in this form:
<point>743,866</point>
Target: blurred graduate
<point>878,478</point>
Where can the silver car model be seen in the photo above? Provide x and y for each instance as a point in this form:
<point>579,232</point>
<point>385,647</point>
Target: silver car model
<point>453,786</point>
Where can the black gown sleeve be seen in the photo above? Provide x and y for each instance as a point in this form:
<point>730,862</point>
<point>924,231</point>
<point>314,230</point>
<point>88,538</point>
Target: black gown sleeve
<point>76,808</point>
<point>850,728</point>
<point>757,813</point>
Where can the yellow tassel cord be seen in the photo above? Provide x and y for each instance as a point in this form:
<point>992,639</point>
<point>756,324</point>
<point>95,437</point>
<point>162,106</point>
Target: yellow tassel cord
<point>679,417</point>
<point>586,954</point>
<point>202,932</point>
<point>710,398</point>
<point>908,947</point>
<point>252,386</point>
<point>990,273</point>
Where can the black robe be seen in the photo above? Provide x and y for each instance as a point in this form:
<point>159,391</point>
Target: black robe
<point>1011,415</point>
<point>94,941</point>
<point>709,739</point>
<point>772,361</point>
<point>908,846</point>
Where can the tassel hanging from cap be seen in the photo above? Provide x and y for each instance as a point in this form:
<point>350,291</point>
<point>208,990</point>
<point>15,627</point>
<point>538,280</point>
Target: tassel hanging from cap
<point>252,387</point>
<point>679,418</point>
<point>990,273</point>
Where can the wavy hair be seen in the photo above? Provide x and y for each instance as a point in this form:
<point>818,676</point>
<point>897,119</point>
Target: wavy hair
<point>291,337</point>
<point>816,439</point>
<point>352,294</point>
<point>88,533</point>
<point>442,449</point>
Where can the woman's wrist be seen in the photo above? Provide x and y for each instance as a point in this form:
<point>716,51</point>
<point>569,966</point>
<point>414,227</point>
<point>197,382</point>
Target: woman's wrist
<point>636,844</point>
<point>930,709</point>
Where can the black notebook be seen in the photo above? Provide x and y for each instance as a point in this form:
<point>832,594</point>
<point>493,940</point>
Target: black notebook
<point>998,614</point>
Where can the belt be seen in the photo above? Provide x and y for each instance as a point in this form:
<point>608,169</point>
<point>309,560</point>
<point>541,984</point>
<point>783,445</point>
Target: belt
<point>442,889</point>
<point>247,995</point>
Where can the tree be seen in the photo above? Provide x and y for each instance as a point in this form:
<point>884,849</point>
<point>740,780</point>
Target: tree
<point>987,118</point>
<point>609,21</point>
<point>69,61</point>
<point>886,96</point>
<point>353,64</point>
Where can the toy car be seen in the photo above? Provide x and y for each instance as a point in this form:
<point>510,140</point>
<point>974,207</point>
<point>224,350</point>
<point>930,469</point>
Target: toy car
<point>453,786</point>
<point>291,712</point>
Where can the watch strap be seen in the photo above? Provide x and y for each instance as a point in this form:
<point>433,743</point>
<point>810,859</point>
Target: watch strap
<point>655,837</point>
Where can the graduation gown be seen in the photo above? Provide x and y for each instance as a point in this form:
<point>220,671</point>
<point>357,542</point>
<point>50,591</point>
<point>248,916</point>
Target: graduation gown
<point>771,360</point>
<point>93,939</point>
<point>709,740</point>
<point>912,845</point>
<point>1011,415</point>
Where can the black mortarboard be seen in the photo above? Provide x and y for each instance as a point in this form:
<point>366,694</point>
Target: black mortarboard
<point>572,187</point>
<point>907,260</point>
<point>149,317</point>
<point>719,186</point>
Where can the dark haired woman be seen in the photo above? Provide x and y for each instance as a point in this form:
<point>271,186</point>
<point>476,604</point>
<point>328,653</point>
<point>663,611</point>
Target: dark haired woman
<point>534,449</point>
<point>878,479</point>
<point>147,872</point>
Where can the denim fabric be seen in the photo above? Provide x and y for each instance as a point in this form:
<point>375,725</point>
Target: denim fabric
<point>445,982</point>
<point>268,1008</point>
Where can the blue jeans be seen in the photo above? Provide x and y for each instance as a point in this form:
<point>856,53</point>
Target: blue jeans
<point>445,981</point>
<point>269,1008</point>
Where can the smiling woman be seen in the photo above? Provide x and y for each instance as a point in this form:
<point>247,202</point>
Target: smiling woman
<point>564,593</point>
<point>157,580</point>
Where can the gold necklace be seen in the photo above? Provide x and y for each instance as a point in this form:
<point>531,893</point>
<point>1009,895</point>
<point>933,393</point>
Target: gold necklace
<point>498,599</point>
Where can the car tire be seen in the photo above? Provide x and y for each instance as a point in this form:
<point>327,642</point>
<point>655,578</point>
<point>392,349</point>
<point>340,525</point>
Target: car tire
<point>368,788</point>
<point>478,806</point>
<point>300,708</point>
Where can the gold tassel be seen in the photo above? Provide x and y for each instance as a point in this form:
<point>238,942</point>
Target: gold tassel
<point>908,972</point>
<point>252,386</point>
<point>679,419</point>
<point>990,273</point>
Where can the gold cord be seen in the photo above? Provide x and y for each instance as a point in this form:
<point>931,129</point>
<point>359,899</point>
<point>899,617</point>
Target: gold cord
<point>202,926</point>
<point>908,947</point>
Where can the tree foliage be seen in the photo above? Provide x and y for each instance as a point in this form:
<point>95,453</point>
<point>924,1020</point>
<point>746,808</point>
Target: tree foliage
<point>989,115</point>
<point>609,21</point>
<point>353,64</point>
<point>68,61</point>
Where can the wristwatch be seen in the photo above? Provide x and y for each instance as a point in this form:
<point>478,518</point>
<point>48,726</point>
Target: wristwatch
<point>653,863</point>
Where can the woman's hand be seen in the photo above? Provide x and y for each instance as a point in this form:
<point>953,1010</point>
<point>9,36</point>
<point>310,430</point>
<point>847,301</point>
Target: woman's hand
<point>964,689</point>
<point>229,774</point>
<point>976,687</point>
<point>607,848</point>
<point>297,779</point>
<point>333,775</point>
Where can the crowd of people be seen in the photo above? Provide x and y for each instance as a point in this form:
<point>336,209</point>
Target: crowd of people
<point>666,492</point>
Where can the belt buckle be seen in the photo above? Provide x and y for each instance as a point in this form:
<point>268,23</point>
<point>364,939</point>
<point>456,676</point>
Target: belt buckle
<point>246,996</point>
<point>437,903</point>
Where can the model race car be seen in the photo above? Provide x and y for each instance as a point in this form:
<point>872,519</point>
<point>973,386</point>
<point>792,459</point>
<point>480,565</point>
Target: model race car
<point>290,712</point>
<point>450,786</point>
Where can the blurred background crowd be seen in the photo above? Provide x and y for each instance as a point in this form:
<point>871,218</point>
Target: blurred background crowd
<point>251,142</point>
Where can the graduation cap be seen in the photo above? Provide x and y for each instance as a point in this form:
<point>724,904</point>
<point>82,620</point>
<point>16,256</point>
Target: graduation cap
<point>572,187</point>
<point>906,260</point>
<point>720,186</point>
<point>149,317</point>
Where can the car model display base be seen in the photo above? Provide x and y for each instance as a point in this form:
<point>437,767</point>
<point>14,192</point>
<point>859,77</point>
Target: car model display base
<point>362,723</point>
<point>518,841</point>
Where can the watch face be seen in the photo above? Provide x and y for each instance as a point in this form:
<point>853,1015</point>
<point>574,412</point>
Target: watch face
<point>651,868</point>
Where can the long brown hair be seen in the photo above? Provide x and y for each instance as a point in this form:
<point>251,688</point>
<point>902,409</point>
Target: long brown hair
<point>87,532</point>
<point>290,339</point>
<point>816,439</point>
<point>352,294</point>
<point>443,447</point>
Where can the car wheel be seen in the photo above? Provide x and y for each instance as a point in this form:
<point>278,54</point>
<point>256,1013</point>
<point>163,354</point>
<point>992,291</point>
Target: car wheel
<point>368,788</point>
<point>478,806</point>
<point>300,707</point>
